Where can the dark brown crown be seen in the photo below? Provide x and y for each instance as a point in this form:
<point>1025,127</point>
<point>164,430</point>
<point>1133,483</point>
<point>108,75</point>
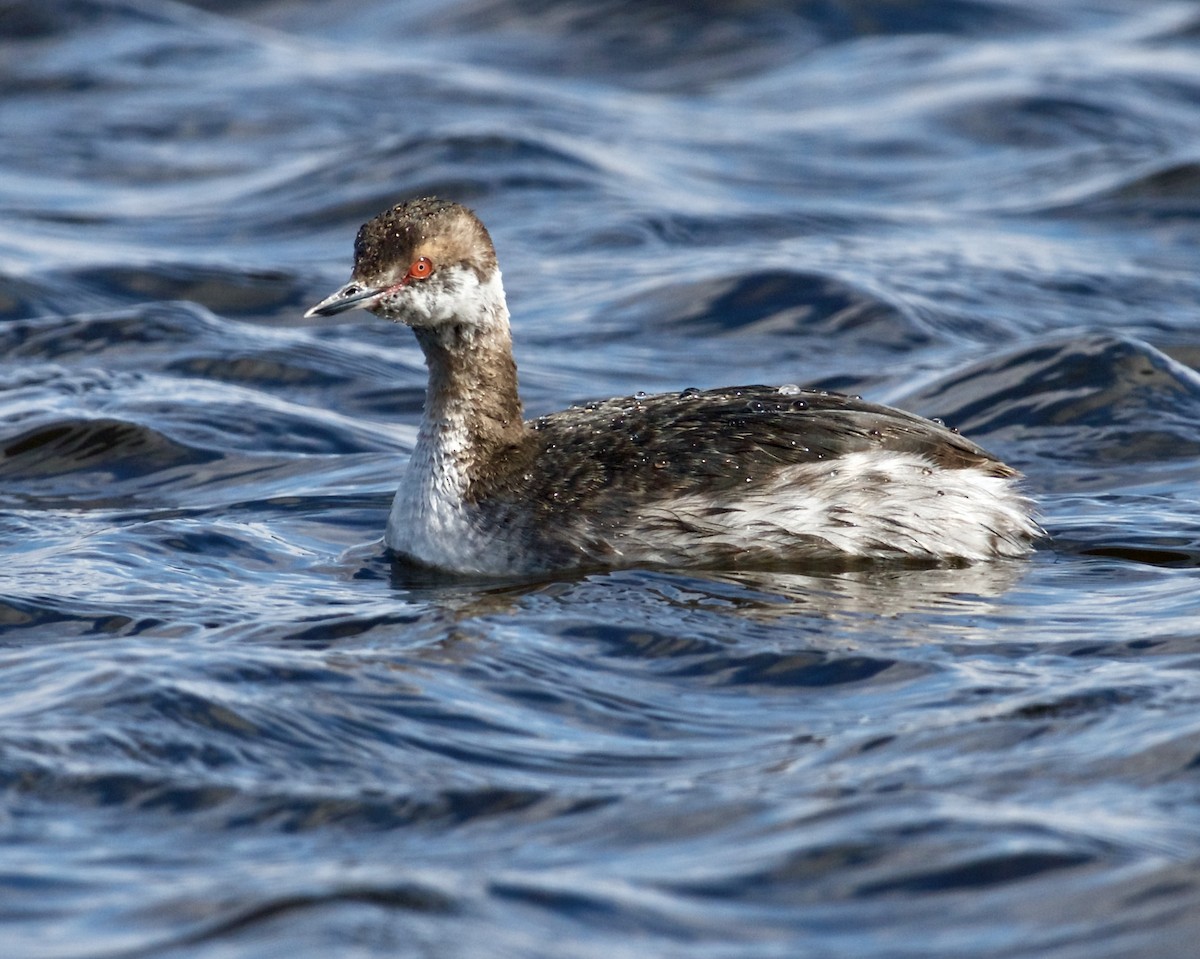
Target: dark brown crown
<point>446,232</point>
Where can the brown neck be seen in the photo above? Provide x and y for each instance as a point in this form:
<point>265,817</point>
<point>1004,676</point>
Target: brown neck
<point>472,408</point>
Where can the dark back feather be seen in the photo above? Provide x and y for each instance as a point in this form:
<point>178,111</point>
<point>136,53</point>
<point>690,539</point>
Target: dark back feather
<point>643,449</point>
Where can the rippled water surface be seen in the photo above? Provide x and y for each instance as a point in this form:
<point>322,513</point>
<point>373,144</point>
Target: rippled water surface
<point>231,726</point>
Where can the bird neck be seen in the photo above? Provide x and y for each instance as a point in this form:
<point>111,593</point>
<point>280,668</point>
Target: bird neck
<point>472,407</point>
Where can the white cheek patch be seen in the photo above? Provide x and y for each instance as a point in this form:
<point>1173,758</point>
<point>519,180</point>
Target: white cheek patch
<point>452,295</point>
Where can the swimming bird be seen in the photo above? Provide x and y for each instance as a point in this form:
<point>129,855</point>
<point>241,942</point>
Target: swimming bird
<point>737,476</point>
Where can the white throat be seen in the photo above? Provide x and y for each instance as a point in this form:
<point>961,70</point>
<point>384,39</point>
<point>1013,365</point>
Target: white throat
<point>471,410</point>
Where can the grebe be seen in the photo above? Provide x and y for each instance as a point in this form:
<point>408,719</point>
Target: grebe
<point>750,475</point>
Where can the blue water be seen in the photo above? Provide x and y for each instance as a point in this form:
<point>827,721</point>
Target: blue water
<point>231,726</point>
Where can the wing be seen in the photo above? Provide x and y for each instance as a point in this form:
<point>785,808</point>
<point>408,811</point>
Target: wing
<point>644,448</point>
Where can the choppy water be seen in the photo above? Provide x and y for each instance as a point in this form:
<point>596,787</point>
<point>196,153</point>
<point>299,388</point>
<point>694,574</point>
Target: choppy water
<point>229,727</point>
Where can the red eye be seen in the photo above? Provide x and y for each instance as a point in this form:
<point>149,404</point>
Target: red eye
<point>421,267</point>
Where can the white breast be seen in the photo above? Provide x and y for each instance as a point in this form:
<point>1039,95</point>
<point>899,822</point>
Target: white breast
<point>429,521</point>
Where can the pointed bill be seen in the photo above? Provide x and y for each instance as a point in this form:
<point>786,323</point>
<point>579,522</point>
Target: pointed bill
<point>350,296</point>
